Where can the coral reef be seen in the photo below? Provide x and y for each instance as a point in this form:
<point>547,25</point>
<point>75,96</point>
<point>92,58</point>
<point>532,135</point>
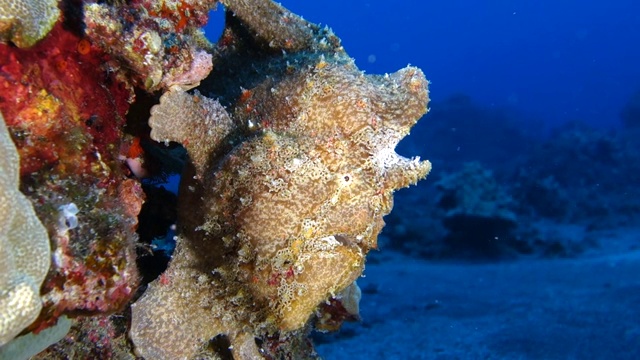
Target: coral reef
<point>94,264</point>
<point>95,337</point>
<point>65,111</point>
<point>24,248</point>
<point>478,211</point>
<point>25,22</point>
<point>285,191</point>
<point>155,44</point>
<point>292,166</point>
<point>571,187</point>
<point>52,95</point>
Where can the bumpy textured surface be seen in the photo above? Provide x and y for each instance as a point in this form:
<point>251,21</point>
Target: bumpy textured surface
<point>158,42</point>
<point>277,26</point>
<point>24,22</point>
<point>66,112</point>
<point>24,248</point>
<point>201,117</point>
<point>283,221</point>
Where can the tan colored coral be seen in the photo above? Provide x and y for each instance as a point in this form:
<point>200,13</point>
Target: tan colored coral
<point>181,117</point>
<point>274,24</point>
<point>282,222</point>
<point>24,248</point>
<point>24,22</point>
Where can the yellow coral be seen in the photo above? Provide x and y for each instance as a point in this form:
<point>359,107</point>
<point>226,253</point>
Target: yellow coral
<point>24,248</point>
<point>24,22</point>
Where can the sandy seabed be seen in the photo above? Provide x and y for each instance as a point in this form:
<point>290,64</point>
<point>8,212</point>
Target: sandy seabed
<point>578,308</point>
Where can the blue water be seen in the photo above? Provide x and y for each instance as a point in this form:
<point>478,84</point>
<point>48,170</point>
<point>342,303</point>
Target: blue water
<point>556,60</point>
<point>533,121</point>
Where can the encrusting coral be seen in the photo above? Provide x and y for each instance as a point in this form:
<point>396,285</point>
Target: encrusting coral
<point>65,112</point>
<point>25,254</point>
<point>285,192</point>
<point>157,44</point>
<point>24,22</point>
<point>201,116</point>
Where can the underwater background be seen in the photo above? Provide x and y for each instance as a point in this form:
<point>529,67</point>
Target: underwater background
<point>523,242</point>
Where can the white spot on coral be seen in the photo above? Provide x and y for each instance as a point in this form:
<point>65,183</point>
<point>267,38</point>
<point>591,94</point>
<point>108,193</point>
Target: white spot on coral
<point>68,219</point>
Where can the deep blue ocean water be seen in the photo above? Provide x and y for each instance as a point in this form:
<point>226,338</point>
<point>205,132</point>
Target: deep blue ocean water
<point>553,60</point>
<point>524,242</point>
